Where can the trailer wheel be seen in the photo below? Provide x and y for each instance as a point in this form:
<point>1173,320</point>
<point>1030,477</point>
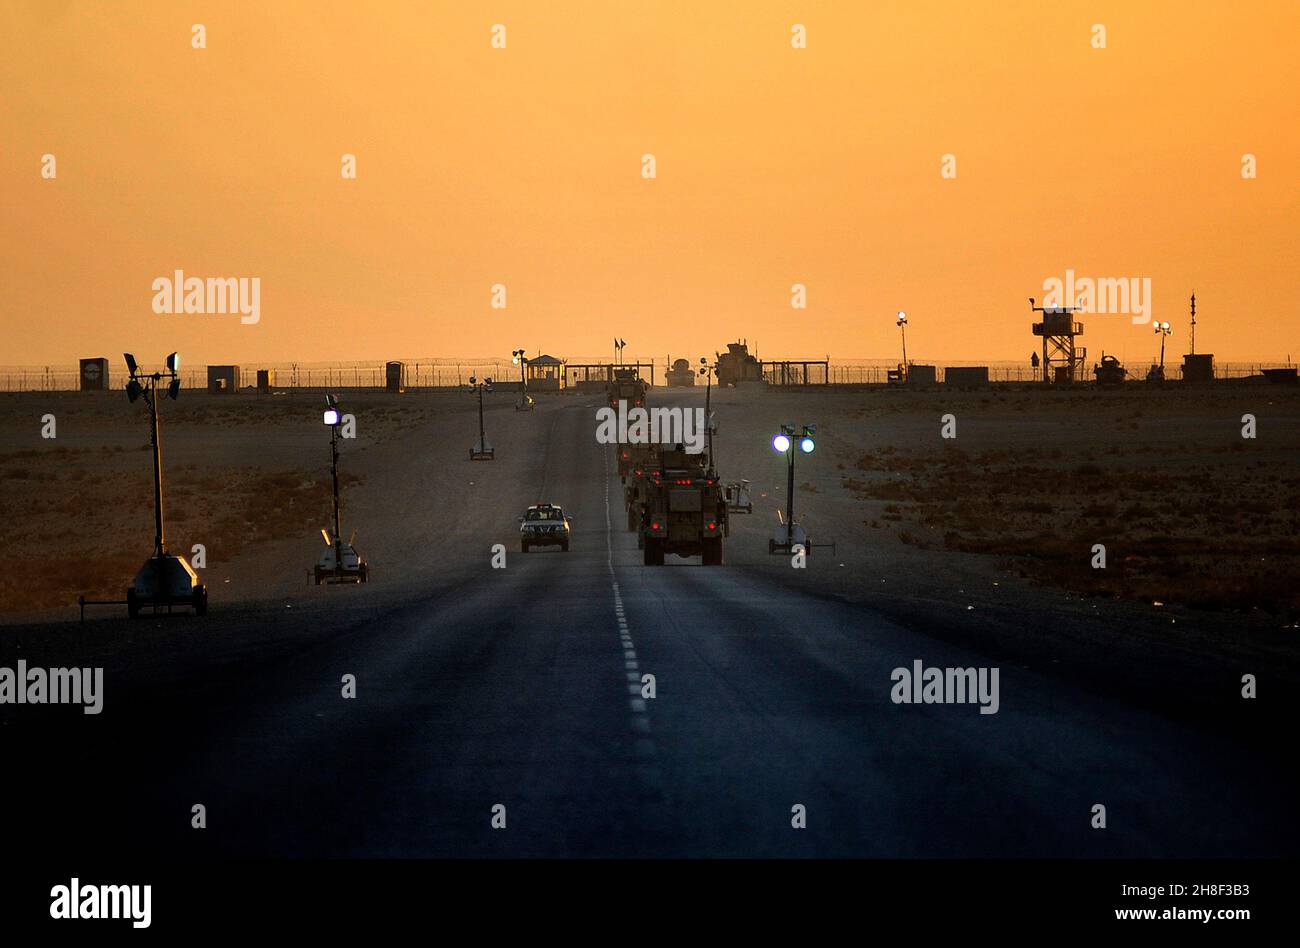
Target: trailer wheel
<point>523,546</point>
<point>771,547</point>
<point>132,604</point>
<point>200,600</point>
<point>654,551</point>
<point>564,547</point>
<point>633,521</point>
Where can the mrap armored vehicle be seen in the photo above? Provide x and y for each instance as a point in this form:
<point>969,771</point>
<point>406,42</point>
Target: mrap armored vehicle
<point>736,365</point>
<point>634,456</point>
<point>681,375</point>
<point>646,464</point>
<point>627,386</point>
<point>684,511</point>
<point>544,525</point>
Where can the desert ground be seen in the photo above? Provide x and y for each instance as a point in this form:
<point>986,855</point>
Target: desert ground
<point>977,547</point>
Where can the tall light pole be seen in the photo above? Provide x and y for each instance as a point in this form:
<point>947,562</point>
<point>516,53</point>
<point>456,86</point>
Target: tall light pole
<point>481,451</point>
<point>332,419</point>
<point>785,443</point>
<point>707,372</point>
<point>519,359</point>
<point>146,385</point>
<point>1164,330</point>
<point>902,328</point>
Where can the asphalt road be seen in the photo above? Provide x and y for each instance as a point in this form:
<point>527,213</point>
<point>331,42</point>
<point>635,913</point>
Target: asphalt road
<point>521,687</point>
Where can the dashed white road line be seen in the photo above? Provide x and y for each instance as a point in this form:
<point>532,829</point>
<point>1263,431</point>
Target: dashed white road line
<point>644,745</point>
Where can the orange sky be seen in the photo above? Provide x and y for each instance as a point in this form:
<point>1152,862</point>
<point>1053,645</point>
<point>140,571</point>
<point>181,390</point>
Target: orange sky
<point>522,166</point>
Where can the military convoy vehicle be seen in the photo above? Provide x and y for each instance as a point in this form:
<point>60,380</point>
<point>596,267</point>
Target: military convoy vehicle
<point>645,465</point>
<point>1110,371</point>
<point>737,365</point>
<point>681,375</point>
<point>684,511</point>
<point>628,386</point>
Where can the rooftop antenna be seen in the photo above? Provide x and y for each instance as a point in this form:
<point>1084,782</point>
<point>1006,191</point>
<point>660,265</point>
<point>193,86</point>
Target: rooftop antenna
<point>1193,324</point>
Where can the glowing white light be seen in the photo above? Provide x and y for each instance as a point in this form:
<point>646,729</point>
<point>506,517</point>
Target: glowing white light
<point>781,444</point>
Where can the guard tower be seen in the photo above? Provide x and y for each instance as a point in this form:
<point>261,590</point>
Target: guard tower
<point>1062,359</point>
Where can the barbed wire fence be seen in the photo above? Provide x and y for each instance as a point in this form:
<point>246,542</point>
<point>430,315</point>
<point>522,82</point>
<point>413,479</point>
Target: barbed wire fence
<point>431,374</point>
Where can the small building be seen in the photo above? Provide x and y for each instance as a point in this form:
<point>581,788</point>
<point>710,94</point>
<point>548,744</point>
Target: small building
<point>395,377</point>
<point>545,373</point>
<point>1283,376</point>
<point>922,375</point>
<point>1198,368</point>
<point>223,379</point>
<point>94,375</point>
<point>966,376</point>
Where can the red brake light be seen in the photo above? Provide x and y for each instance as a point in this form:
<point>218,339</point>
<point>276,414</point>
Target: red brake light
<point>713,526</point>
<point>654,526</point>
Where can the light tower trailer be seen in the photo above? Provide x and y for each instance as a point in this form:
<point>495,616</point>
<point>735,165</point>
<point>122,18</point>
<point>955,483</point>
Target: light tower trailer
<point>339,562</point>
<point>482,451</point>
<point>165,581</point>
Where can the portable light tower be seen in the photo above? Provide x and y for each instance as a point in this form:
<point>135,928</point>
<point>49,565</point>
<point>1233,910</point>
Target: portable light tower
<point>482,451</point>
<point>707,371</point>
<point>789,533</point>
<point>1163,330</point>
<point>525,402</point>
<point>901,320</point>
<point>165,579</point>
<point>340,563</point>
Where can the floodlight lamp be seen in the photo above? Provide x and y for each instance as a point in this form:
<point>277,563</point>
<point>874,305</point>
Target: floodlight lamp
<point>331,417</point>
<point>173,362</point>
<point>130,362</point>
<point>781,444</point>
<point>174,389</point>
<point>807,445</point>
<point>133,390</point>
